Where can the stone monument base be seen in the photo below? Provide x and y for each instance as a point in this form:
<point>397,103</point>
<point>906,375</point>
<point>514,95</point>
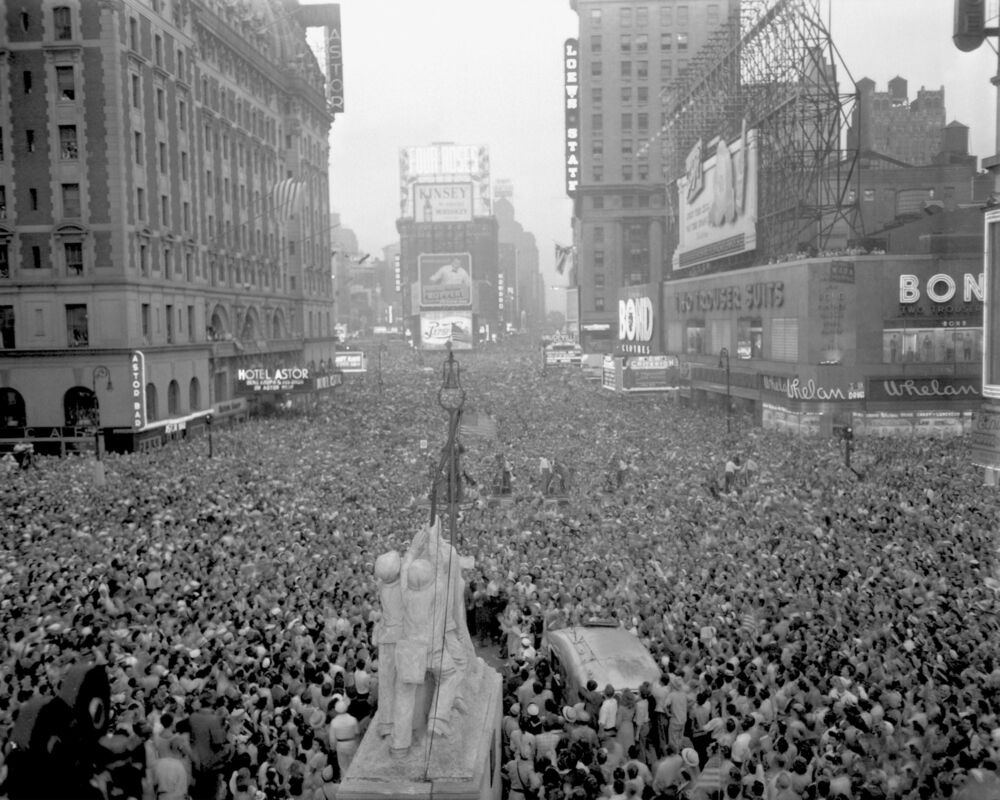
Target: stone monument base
<point>462,766</point>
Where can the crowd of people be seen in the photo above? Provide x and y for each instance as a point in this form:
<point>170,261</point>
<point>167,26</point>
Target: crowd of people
<point>819,636</point>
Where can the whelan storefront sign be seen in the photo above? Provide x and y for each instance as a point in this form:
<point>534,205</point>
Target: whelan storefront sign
<point>885,390</point>
<point>795,388</point>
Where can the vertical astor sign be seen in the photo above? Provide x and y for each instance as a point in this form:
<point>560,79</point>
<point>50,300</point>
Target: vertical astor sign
<point>334,63</point>
<point>137,385</point>
<point>571,99</point>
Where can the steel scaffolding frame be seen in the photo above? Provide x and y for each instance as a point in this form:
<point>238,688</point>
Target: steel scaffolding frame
<point>773,64</point>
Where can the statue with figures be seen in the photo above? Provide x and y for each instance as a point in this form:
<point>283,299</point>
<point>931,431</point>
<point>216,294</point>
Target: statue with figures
<point>439,704</point>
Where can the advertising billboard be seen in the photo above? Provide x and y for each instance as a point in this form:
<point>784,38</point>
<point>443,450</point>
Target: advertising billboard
<point>350,361</point>
<point>446,164</point>
<point>445,279</point>
<point>437,328</point>
<point>265,379</point>
<point>442,202</point>
<point>717,200</point>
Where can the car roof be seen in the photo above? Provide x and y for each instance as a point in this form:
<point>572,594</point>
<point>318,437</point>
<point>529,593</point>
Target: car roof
<point>606,655</point>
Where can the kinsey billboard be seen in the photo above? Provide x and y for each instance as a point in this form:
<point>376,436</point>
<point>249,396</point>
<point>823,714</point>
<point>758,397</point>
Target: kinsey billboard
<point>437,328</point>
<point>717,200</point>
<point>445,279</point>
<point>449,165</point>
<point>571,101</point>
<point>442,202</point>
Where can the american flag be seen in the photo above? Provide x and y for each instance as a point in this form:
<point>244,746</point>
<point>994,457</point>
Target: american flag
<point>285,198</point>
<point>477,424</point>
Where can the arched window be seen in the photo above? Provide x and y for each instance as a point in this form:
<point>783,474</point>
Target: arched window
<point>194,395</point>
<point>151,411</point>
<point>173,398</point>
<point>12,413</point>
<point>80,407</point>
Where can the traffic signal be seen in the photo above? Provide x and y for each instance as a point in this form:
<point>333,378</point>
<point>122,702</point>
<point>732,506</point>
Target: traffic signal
<point>970,24</point>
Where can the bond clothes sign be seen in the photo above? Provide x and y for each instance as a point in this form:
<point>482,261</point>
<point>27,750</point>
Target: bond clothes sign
<point>571,101</point>
<point>137,385</point>
<point>717,200</point>
<point>445,280</point>
<point>635,325</point>
<point>442,202</point>
<point>941,288</point>
<point>449,165</point>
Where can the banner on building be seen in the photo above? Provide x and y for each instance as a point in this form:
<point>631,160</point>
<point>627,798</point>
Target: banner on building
<point>445,280</point>
<point>571,106</point>
<point>717,200</point>
<point>137,385</point>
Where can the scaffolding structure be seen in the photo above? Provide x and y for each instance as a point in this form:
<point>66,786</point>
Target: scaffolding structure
<point>773,65</point>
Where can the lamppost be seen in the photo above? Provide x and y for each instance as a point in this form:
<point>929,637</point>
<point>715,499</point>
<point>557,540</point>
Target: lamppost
<point>100,373</point>
<point>724,357</point>
<point>381,349</point>
<point>451,397</point>
<point>208,425</point>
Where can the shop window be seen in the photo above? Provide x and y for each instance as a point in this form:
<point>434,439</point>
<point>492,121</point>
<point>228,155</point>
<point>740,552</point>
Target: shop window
<point>749,338</point>
<point>929,345</point>
<point>694,336</point>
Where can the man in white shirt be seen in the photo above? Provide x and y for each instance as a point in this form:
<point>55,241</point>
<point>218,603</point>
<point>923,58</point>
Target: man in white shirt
<point>607,716</point>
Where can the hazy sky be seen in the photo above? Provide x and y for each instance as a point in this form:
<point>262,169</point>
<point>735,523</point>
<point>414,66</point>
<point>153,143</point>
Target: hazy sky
<point>490,72</point>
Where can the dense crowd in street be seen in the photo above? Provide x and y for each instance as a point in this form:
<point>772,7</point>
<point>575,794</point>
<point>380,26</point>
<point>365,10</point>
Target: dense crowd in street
<point>820,635</point>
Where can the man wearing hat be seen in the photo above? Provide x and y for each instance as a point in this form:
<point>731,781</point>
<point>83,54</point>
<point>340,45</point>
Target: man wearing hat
<point>345,735</point>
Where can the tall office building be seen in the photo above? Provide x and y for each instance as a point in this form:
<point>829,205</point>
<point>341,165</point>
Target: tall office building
<point>628,53</point>
<point>164,220</point>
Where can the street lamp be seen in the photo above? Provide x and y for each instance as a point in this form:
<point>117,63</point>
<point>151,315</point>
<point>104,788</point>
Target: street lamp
<point>208,424</point>
<point>100,373</point>
<point>724,356</point>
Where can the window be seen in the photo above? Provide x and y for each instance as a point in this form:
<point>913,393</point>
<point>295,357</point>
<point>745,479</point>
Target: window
<point>642,17</point>
<point>626,123</point>
<point>144,259</point>
<point>36,256</point>
<point>642,119</point>
<point>598,304</point>
<point>596,96</point>
<point>749,338</point>
<point>186,211</point>
<point>184,165</point>
<point>628,201</point>
<point>595,16</point>
<point>4,260</point>
<point>643,95</point>
<point>598,234</point>
<point>666,42</point>
<point>73,253</point>
<point>26,81</point>
<point>67,142</point>
<point>7,327</point>
<point>682,16</point>
<point>144,320</point>
<point>598,173</point>
<point>627,148</point>
<point>152,412</point>
<point>666,70</point>
<point>595,69</point>
<point>595,44</point>
<point>599,281</point>
<point>598,203</point>
<point>62,22</point>
<point>596,122</point>
<point>182,115</point>
<point>597,148</point>
<point>173,397</point>
<point>694,336</point>
<point>136,92</point>
<point>29,139</point>
<point>137,136</point>
<point>625,17</point>
<point>65,83</point>
<point>626,69</point>
<point>161,104</point>
<point>180,63</point>
<point>71,199</point>
<point>133,33</point>
<point>642,70</point>
<point>682,41</point>
<point>161,148</point>
<point>25,21</point>
<point>158,50</point>
<point>626,94</point>
<point>170,324</point>
<point>643,174</point>
<point>785,339</point>
<point>77,333</point>
<point>33,199</point>
<point>140,203</point>
<point>1,144</point>
<point>626,43</point>
<point>666,16</point>
<point>712,14</point>
<point>642,43</point>
<point>208,183</point>
<point>190,327</point>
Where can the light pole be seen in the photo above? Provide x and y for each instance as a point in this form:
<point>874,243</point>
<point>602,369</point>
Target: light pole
<point>724,357</point>
<point>208,424</point>
<point>100,373</point>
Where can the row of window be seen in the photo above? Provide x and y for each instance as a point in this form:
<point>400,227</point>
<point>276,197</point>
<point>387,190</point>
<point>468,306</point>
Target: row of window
<point>641,41</point>
<point>62,23</point>
<point>669,15</point>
